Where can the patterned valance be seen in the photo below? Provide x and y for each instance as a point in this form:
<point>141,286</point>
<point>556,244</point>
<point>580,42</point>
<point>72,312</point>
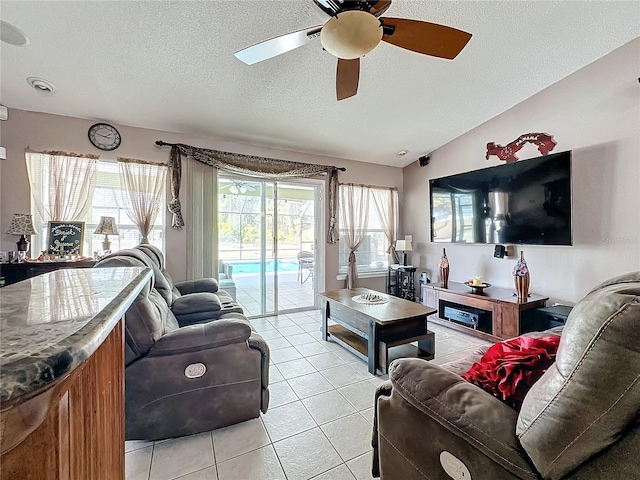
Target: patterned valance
<point>57,153</point>
<point>250,166</point>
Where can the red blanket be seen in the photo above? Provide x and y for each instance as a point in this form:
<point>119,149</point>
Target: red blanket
<point>508,369</point>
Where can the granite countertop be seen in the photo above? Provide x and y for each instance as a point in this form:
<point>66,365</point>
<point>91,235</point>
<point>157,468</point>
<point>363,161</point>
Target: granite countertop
<point>51,323</point>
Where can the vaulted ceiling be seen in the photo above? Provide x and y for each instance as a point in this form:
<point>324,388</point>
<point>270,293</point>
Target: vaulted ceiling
<point>170,66</point>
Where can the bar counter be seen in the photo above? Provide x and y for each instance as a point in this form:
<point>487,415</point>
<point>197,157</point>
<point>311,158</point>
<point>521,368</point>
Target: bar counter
<point>62,373</point>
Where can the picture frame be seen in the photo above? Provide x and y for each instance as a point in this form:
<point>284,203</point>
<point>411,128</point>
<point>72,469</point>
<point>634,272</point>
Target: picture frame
<point>65,238</point>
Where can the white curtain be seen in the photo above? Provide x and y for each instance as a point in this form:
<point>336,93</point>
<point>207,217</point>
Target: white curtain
<point>202,218</point>
<point>62,184</point>
<point>142,185</point>
<point>385,201</point>
<point>354,218</point>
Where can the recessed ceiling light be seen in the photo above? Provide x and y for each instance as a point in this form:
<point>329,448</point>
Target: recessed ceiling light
<point>41,85</point>
<point>402,153</point>
<point>12,35</point>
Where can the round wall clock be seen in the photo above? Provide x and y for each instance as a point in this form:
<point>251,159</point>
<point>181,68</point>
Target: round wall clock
<point>104,136</point>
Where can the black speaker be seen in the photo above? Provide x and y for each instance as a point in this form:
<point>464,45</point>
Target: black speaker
<point>424,160</point>
<point>499,251</point>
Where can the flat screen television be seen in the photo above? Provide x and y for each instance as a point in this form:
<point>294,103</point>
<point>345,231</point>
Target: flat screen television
<point>526,202</point>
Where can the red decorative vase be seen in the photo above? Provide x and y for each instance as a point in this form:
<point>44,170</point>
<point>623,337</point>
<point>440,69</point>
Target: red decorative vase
<point>443,267</point>
<point>522,278</point>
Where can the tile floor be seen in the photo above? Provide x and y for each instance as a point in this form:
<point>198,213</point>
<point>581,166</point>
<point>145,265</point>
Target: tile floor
<point>319,421</point>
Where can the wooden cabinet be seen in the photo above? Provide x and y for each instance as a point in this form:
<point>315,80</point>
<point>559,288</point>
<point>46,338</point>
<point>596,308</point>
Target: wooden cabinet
<point>509,317</point>
<point>62,382</point>
<point>16,272</point>
<point>82,431</point>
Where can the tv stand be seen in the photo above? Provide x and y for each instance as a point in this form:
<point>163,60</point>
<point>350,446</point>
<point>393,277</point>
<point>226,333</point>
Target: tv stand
<point>509,317</point>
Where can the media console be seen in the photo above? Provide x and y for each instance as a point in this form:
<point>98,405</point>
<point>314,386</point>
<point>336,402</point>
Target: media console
<point>494,314</point>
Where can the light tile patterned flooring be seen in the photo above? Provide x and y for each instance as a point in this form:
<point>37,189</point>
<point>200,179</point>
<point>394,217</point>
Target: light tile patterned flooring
<point>319,421</point>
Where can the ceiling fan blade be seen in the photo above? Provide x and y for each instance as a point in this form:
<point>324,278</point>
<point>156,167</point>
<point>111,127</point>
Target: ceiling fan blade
<point>347,78</point>
<point>277,46</point>
<point>380,7</point>
<point>424,37</point>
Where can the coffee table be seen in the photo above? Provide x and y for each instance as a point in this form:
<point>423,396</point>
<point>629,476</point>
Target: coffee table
<point>371,331</point>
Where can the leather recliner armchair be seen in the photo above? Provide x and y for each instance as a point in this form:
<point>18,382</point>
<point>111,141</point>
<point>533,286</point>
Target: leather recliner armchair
<point>190,379</point>
<point>191,301</point>
<point>580,420</point>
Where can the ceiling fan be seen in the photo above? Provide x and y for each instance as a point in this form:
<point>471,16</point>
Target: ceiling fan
<point>240,187</point>
<point>355,29</point>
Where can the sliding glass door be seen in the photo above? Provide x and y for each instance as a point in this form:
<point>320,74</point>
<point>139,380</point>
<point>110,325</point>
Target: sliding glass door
<point>267,234</point>
<point>298,247</point>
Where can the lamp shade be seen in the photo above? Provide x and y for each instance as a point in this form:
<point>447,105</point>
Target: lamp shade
<point>404,246</point>
<point>107,226</point>
<point>22,224</point>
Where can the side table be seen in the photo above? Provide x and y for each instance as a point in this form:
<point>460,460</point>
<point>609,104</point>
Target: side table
<point>553,316</point>
<point>400,281</point>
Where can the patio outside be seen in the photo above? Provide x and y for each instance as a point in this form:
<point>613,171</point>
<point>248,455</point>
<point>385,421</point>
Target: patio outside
<point>242,230</point>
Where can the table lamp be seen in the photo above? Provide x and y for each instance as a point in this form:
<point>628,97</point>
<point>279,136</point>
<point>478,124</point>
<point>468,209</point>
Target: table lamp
<point>404,246</point>
<point>106,227</point>
<point>22,224</point>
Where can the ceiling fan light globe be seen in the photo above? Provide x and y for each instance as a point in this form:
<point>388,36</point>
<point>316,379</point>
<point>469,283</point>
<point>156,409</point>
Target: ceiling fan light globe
<point>351,34</point>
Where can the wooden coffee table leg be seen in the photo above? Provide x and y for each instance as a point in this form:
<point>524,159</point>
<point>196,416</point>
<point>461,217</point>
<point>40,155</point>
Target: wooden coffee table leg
<point>372,341</point>
<point>428,345</point>
<point>325,319</point>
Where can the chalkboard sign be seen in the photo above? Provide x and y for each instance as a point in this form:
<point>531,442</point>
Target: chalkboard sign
<point>65,238</point>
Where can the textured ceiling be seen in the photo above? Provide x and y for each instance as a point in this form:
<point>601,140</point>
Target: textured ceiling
<point>170,66</point>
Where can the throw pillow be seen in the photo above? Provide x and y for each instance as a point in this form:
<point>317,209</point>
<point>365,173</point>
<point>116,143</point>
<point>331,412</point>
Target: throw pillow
<point>508,369</point>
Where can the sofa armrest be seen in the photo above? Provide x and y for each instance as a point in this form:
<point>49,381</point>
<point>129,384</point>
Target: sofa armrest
<point>194,286</point>
<point>203,303</point>
<point>382,390</point>
<point>464,409</point>
<point>202,336</point>
<point>259,343</point>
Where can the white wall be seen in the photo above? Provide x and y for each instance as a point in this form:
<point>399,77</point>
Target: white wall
<point>595,113</point>
<point>41,131</point>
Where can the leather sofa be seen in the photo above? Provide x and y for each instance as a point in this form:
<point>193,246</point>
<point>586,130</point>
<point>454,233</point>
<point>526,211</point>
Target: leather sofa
<point>191,301</point>
<point>580,420</point>
<point>186,379</point>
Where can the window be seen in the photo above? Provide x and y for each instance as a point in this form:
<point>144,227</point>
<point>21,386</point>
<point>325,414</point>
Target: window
<point>107,201</point>
<point>373,256</point>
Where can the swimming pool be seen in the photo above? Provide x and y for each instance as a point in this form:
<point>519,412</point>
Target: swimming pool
<point>253,266</point>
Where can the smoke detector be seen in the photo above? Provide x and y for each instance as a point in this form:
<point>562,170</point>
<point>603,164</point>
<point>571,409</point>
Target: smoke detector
<point>12,35</point>
<point>41,85</point>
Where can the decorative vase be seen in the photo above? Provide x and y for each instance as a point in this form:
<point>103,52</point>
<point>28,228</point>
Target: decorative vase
<point>522,278</point>
<point>443,267</point>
